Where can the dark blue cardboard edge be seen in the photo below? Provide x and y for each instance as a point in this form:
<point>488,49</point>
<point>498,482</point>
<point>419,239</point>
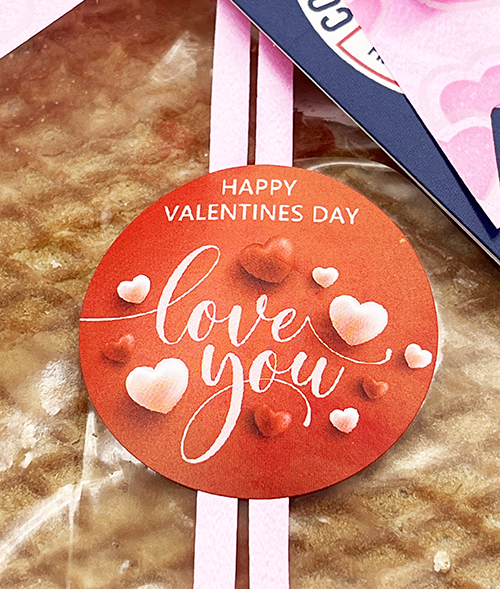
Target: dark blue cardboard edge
<point>385,115</point>
<point>495,124</point>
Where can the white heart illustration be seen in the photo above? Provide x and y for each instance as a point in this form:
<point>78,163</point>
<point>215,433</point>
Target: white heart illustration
<point>416,357</point>
<point>160,388</point>
<point>357,323</point>
<point>346,420</point>
<point>134,291</point>
<point>325,277</point>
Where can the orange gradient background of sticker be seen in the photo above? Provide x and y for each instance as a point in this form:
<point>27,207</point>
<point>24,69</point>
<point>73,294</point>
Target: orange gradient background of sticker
<point>375,263</point>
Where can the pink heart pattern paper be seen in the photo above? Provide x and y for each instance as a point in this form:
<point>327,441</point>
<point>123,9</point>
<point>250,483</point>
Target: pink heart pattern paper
<point>454,4</point>
<point>466,98</point>
<point>480,175</point>
<point>444,55</point>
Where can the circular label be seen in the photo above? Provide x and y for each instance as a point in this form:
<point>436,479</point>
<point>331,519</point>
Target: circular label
<point>336,25</point>
<point>259,332</point>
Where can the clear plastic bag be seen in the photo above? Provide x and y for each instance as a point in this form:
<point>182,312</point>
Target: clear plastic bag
<point>101,114</point>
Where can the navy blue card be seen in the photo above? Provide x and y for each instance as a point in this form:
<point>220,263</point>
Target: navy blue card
<point>321,37</point>
<point>495,123</point>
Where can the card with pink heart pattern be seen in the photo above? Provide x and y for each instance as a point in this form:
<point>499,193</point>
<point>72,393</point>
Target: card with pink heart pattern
<point>445,56</point>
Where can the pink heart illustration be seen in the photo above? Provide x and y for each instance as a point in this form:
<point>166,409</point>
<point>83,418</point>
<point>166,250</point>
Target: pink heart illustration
<point>357,323</point>
<point>416,357</point>
<point>467,98</point>
<point>160,388</point>
<point>464,148</point>
<point>134,291</point>
<point>325,277</point>
<point>346,420</point>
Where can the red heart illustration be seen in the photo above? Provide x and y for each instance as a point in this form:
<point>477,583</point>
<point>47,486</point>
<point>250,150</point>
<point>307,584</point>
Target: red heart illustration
<point>269,422</point>
<point>374,389</point>
<point>121,350</point>
<point>271,262</point>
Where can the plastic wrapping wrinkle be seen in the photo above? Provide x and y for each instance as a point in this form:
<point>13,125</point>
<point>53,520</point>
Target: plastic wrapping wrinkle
<point>75,509</point>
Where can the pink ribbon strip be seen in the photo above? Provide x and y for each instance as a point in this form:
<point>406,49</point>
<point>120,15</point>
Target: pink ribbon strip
<point>274,132</point>
<point>268,543</point>
<point>269,519</point>
<point>217,517</point>
<point>230,89</point>
<point>22,19</point>
<point>215,542</point>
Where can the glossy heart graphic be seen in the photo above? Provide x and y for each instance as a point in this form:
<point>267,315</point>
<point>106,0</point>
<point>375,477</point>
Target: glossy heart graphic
<point>325,277</point>
<point>121,350</point>
<point>134,291</point>
<point>357,323</point>
<point>416,357</point>
<point>346,420</point>
<point>374,389</point>
<point>158,389</point>
<point>271,262</point>
<point>269,422</point>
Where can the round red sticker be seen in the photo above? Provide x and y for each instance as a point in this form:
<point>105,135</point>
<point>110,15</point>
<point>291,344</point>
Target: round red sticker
<point>259,332</point>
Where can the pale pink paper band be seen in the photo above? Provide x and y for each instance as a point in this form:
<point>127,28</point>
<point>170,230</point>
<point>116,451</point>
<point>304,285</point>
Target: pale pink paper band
<point>230,89</point>
<point>274,132</point>
<point>217,517</point>
<point>268,543</point>
<point>22,19</point>
<point>269,519</point>
<point>215,542</point>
